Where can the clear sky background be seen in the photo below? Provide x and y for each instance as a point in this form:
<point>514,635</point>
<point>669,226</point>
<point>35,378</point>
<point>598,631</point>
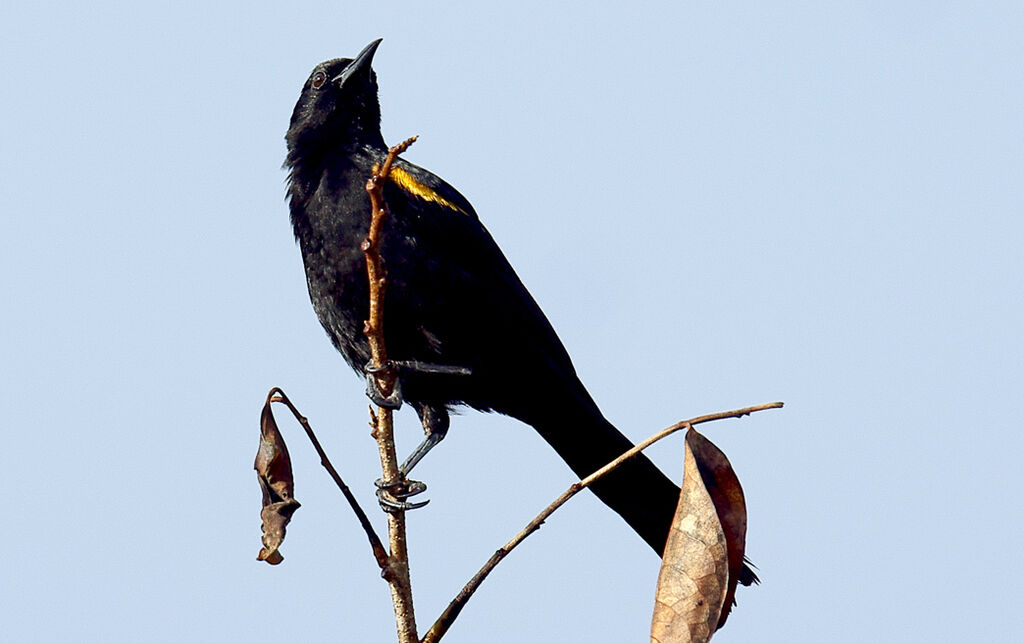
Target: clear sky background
<point>716,204</point>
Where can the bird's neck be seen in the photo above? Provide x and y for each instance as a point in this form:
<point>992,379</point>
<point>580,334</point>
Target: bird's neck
<point>324,170</point>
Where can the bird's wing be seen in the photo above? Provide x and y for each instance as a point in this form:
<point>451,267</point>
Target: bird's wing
<point>467,295</point>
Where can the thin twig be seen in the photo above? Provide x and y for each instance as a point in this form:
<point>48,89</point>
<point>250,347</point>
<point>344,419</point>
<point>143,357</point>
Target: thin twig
<point>379,553</point>
<point>441,625</point>
<point>397,571</point>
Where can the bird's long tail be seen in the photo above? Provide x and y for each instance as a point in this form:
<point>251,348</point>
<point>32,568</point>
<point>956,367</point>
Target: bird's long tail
<point>637,490</point>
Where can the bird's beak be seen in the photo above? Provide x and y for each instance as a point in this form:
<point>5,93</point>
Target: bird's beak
<point>360,67</point>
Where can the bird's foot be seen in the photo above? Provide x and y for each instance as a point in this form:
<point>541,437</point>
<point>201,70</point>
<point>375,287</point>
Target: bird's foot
<point>392,496</point>
<point>392,400</point>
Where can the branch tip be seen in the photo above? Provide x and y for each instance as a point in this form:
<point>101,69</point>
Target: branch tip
<point>441,625</point>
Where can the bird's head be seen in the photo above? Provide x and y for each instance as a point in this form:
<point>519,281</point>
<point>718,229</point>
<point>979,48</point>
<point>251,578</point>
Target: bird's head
<point>338,105</point>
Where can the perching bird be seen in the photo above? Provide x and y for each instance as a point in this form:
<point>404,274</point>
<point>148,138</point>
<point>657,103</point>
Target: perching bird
<point>452,299</point>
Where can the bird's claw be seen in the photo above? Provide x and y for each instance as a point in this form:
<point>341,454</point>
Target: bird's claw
<point>391,496</point>
<point>392,400</point>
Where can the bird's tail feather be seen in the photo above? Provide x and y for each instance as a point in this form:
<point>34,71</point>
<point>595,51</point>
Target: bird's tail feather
<point>637,490</point>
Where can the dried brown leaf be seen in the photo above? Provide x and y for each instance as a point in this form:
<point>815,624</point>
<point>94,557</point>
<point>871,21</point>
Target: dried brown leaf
<point>694,568</point>
<point>274,471</point>
<point>726,493</point>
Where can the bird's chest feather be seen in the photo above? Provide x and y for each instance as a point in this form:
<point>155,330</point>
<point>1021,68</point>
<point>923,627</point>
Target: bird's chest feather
<point>331,229</point>
<point>330,224</point>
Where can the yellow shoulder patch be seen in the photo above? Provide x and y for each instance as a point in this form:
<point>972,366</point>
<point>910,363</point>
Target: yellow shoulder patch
<point>406,181</point>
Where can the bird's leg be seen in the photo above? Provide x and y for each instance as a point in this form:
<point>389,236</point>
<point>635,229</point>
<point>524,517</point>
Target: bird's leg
<point>393,400</point>
<point>392,497</point>
<point>424,368</point>
<point>435,424</point>
<point>431,441</point>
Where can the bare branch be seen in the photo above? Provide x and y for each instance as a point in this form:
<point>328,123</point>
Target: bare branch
<point>397,570</point>
<point>379,553</point>
<point>441,625</point>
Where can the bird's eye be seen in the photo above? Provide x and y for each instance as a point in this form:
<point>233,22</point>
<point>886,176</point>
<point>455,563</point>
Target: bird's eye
<point>319,78</point>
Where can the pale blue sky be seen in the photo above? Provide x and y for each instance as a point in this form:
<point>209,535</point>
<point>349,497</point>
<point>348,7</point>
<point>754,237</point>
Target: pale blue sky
<point>716,205</point>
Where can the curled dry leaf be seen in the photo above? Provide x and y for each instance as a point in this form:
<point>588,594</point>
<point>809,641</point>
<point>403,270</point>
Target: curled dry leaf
<point>726,493</point>
<point>274,470</point>
<point>703,558</point>
<point>694,568</point>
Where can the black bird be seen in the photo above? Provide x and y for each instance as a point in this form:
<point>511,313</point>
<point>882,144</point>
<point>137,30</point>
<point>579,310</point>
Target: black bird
<point>452,297</point>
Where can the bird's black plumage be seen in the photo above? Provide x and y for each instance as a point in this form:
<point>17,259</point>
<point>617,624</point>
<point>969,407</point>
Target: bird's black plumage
<point>452,297</point>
